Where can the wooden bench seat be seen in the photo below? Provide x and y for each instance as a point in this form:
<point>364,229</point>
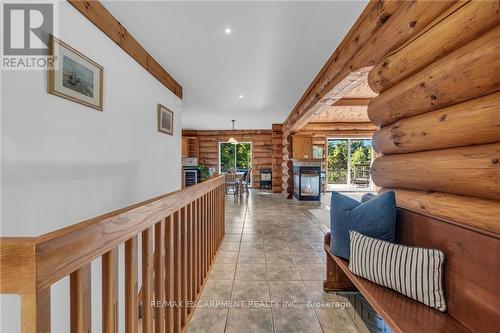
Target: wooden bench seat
<point>471,279</point>
<point>401,313</point>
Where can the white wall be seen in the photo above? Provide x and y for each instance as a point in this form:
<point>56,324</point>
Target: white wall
<point>63,162</point>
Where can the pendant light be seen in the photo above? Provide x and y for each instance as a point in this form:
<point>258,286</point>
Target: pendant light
<point>232,139</point>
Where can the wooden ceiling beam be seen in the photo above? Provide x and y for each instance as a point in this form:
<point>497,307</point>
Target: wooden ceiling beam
<point>382,27</point>
<point>340,127</point>
<point>336,134</point>
<point>352,102</point>
<point>198,133</point>
<point>96,13</point>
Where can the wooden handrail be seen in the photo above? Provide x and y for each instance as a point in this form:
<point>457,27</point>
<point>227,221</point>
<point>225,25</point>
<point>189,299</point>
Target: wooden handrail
<point>31,265</point>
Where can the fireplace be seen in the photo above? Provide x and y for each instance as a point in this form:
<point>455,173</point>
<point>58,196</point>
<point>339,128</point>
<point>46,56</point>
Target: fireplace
<point>307,183</point>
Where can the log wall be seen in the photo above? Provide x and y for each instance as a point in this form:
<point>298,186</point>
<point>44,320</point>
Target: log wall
<point>439,108</point>
<point>277,155</point>
<point>208,147</point>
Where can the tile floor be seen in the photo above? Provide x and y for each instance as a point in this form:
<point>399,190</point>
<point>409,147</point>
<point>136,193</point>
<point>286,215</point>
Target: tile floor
<point>269,273</point>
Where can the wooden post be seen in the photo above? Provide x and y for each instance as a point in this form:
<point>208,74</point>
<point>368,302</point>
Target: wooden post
<point>35,312</point>
<point>80,300</point>
<point>336,280</point>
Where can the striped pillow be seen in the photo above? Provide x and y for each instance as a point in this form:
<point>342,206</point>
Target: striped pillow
<point>412,271</point>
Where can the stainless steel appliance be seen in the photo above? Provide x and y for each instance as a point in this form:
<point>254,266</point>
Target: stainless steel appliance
<point>191,175</point>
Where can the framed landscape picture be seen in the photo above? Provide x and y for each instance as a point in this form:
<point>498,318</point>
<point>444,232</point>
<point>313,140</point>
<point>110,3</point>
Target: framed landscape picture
<point>165,120</point>
<point>74,76</point>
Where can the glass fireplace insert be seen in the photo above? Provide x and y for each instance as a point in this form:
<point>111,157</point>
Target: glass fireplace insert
<point>307,183</point>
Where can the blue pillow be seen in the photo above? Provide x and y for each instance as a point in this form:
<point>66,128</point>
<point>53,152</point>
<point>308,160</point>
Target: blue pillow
<point>374,218</point>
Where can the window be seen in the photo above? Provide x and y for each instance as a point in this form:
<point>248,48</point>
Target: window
<point>349,162</point>
<point>235,156</point>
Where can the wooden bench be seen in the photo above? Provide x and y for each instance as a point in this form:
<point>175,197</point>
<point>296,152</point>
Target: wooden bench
<point>471,278</point>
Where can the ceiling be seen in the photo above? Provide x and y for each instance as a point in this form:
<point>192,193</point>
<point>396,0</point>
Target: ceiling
<point>341,114</point>
<point>273,53</point>
<point>348,113</point>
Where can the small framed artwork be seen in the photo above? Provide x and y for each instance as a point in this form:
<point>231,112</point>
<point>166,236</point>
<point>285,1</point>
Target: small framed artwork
<point>74,76</point>
<point>165,120</point>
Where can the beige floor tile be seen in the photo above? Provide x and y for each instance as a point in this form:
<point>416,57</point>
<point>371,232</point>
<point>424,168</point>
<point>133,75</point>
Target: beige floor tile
<point>234,231</point>
<point>232,237</point>
<point>224,257</point>
<point>295,320</point>
<point>222,271</point>
<point>282,272</point>
<point>288,291</point>
<point>248,238</point>
<point>309,257</point>
<point>251,258</point>
<point>316,293</point>
<point>252,252</point>
<point>208,320</point>
<point>246,319</point>
<point>250,291</point>
<point>230,246</point>
<point>312,272</point>
<point>251,272</point>
<point>279,258</point>
<point>217,290</point>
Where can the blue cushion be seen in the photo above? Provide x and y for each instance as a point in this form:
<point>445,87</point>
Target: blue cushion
<point>374,218</point>
<point>368,196</point>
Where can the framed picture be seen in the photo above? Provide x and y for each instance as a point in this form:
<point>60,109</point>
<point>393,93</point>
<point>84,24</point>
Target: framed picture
<point>165,120</point>
<point>74,76</point>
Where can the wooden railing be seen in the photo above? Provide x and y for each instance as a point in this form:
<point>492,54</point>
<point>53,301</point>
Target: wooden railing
<point>180,234</point>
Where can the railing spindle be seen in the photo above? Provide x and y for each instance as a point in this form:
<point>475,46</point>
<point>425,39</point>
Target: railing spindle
<point>205,236</point>
<point>210,228</point>
<point>176,255</point>
<point>189,239</point>
<point>80,300</point>
<point>147,280</point>
<point>177,271</point>
<point>159,273</point>
<point>169,273</point>
<point>131,304</point>
<point>194,286</point>
<point>110,291</point>
<point>183,265</point>
<point>199,259</point>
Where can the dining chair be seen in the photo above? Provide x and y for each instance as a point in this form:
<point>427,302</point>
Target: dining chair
<point>231,183</point>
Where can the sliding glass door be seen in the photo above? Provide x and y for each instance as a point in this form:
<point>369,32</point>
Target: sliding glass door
<point>235,156</point>
<point>338,157</point>
<point>349,162</point>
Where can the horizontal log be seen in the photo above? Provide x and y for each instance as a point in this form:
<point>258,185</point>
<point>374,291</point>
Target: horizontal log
<point>470,123</point>
<point>338,134</point>
<point>472,171</point>
<point>464,74</point>
<point>463,210</point>
<point>383,26</point>
<point>339,127</point>
<point>459,25</point>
